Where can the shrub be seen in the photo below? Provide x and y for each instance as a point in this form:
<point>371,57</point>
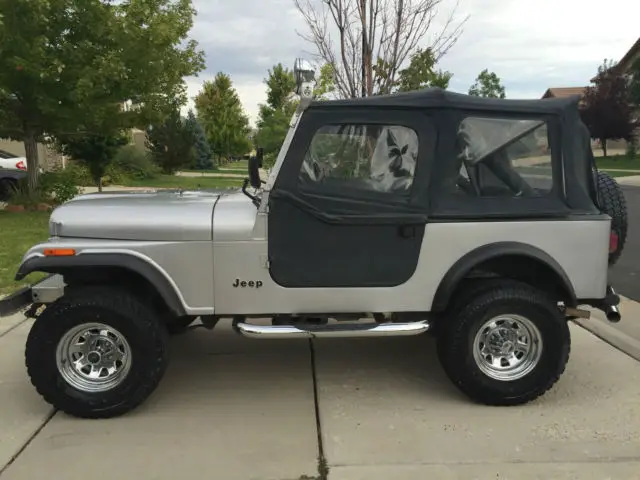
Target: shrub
<point>79,173</point>
<point>30,201</point>
<point>59,186</point>
<point>131,162</point>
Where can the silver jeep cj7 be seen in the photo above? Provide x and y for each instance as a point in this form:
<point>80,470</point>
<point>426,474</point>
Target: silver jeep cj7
<point>483,221</point>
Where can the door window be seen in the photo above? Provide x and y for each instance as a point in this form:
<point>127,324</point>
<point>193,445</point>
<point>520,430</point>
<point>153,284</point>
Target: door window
<point>375,158</point>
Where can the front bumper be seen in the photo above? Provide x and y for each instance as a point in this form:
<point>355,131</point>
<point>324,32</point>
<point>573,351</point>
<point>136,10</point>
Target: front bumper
<point>47,290</point>
<point>16,301</point>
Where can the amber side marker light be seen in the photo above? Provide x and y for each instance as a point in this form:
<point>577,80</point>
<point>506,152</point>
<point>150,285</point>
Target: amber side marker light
<point>59,252</point>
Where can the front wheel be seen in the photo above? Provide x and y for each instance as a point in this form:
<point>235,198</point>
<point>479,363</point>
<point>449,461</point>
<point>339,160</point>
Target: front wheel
<point>97,352</point>
<point>508,346</point>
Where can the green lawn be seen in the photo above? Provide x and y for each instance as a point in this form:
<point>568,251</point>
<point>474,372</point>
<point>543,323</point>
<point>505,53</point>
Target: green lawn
<point>172,181</point>
<point>620,162</point>
<point>19,232</point>
<point>621,173</point>
<point>234,167</point>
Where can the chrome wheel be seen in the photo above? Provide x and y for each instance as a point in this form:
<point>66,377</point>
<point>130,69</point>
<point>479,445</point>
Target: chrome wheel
<point>507,347</point>
<point>93,357</point>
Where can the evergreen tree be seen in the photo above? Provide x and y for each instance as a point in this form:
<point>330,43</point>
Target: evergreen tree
<point>223,119</point>
<point>171,143</point>
<point>202,150</point>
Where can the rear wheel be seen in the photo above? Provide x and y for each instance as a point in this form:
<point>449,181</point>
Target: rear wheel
<point>96,352</point>
<point>507,346</point>
<point>614,204</point>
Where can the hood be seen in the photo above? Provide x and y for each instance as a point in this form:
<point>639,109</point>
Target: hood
<point>154,215</point>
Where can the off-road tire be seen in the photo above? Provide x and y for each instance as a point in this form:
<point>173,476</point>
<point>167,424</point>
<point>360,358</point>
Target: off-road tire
<point>614,204</point>
<point>146,336</point>
<point>455,345</point>
<point>467,290</point>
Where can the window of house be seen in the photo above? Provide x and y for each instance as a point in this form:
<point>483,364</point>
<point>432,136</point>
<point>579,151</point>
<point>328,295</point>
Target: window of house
<point>504,157</point>
<point>378,158</point>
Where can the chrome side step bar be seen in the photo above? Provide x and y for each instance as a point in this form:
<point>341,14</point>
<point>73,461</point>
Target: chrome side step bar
<point>333,331</point>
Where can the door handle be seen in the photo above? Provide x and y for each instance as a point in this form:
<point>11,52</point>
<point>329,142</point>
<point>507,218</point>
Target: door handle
<point>407,231</point>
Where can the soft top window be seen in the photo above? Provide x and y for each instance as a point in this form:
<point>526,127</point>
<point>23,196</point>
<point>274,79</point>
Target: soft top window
<point>483,136</point>
<point>379,158</point>
<point>504,157</point>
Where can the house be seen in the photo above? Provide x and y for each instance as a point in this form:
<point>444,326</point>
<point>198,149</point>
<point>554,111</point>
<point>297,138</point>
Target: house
<point>48,157</point>
<point>624,66</point>
<point>558,92</point>
<point>625,63</point>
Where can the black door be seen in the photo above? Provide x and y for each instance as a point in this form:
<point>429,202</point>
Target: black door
<point>348,208</point>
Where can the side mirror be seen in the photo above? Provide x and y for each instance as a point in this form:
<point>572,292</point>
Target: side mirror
<point>254,172</point>
<point>259,156</point>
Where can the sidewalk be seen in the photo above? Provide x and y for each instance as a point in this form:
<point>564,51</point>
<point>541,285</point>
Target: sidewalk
<point>231,408</point>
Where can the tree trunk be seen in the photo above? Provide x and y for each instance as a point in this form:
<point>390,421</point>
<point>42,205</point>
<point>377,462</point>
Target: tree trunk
<point>100,184</point>
<point>31,150</point>
<point>604,147</point>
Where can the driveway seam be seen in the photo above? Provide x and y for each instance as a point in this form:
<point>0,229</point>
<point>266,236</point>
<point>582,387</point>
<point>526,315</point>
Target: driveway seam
<point>11,329</point>
<point>28,442</point>
<point>323,469</point>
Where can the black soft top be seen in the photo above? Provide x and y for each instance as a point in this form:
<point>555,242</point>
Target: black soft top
<point>437,97</point>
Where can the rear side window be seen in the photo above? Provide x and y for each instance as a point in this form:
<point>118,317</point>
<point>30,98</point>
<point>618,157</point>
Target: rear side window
<point>375,158</point>
<point>504,157</point>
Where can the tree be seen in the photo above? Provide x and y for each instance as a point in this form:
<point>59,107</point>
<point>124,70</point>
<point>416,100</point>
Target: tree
<point>202,151</point>
<point>374,38</point>
<point>222,117</point>
<point>421,73</point>
<point>275,115</point>
<point>607,110</point>
<point>64,64</point>
<point>634,87</point>
<point>96,151</point>
<point>171,143</point>
<point>325,82</point>
<point>280,85</point>
<point>487,84</point>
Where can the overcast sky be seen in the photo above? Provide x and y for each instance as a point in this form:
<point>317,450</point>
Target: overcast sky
<point>531,44</point>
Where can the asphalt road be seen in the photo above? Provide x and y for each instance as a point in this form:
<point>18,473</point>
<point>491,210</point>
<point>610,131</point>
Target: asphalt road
<point>625,275</point>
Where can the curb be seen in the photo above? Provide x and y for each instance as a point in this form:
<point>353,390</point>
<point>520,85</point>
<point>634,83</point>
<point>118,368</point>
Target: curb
<point>611,335</point>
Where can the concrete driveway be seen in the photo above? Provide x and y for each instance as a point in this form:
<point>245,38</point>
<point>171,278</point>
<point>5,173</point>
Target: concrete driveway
<point>233,408</point>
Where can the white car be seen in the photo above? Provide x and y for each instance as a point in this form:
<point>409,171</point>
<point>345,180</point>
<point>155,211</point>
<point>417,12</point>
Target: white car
<point>12,169</point>
<point>9,161</point>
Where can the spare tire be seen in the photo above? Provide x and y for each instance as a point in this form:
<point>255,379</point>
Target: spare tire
<point>613,203</point>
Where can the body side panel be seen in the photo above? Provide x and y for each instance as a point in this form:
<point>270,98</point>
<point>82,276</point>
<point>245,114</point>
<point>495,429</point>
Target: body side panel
<point>234,219</point>
<point>187,266</point>
<point>573,244</point>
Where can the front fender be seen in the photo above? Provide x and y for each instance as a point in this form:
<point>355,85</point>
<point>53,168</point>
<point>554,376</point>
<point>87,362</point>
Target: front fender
<point>38,261</point>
